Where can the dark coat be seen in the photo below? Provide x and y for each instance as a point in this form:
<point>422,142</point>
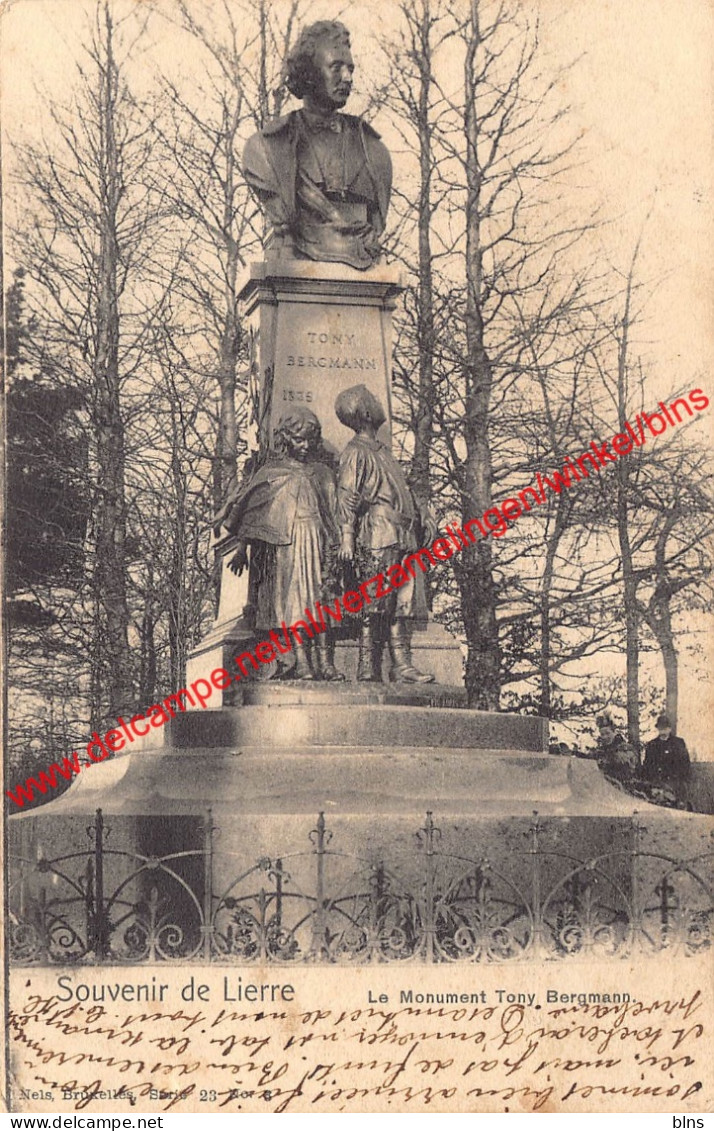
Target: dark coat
<point>616,758</point>
<point>666,759</point>
<point>270,166</point>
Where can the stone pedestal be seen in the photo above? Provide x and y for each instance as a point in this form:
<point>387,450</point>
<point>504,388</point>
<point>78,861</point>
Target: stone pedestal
<point>358,751</point>
<point>231,632</point>
<point>314,799</point>
<point>319,328</point>
<point>316,328</point>
<point>433,650</point>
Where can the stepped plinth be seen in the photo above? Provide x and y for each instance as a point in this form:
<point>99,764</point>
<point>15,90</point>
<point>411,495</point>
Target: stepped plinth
<point>375,750</point>
<point>320,817</point>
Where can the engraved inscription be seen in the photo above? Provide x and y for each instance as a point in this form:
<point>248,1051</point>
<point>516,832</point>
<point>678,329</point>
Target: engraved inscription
<point>323,338</point>
<point>299,395</point>
<point>301,361</point>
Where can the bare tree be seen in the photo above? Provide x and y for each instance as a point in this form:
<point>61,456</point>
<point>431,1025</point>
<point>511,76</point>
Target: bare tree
<point>493,235</point>
<point>659,507</point>
<point>89,240</point>
<point>202,135</point>
<point>676,564</point>
<point>412,95</point>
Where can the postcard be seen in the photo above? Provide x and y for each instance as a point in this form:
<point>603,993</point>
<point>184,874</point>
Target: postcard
<point>357,557</point>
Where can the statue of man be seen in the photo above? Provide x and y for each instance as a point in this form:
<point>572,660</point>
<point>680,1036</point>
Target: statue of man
<point>323,178</point>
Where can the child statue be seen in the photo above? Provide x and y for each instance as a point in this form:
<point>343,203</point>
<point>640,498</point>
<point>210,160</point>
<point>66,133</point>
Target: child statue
<point>379,523</point>
<point>286,512</point>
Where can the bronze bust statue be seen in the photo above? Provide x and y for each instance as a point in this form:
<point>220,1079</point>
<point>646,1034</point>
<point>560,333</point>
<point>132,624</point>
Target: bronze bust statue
<point>322,177</point>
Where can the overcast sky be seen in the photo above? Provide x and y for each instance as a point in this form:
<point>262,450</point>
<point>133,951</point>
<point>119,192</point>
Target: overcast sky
<point>641,92</point>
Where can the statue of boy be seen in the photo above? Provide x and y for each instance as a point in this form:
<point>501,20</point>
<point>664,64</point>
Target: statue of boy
<point>323,178</point>
<point>379,521</point>
<point>286,512</point>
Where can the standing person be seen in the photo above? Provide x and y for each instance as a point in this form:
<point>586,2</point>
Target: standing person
<point>286,513</point>
<point>666,756</point>
<point>379,520</point>
<point>615,757</point>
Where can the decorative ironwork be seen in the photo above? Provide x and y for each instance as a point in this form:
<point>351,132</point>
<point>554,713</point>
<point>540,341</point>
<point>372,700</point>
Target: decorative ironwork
<point>110,904</point>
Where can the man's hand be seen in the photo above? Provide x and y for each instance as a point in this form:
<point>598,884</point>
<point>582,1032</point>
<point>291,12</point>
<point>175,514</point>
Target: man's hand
<point>346,551</point>
<point>239,561</point>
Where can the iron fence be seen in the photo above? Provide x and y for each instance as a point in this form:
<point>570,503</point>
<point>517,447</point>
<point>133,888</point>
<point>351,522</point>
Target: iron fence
<point>104,904</point>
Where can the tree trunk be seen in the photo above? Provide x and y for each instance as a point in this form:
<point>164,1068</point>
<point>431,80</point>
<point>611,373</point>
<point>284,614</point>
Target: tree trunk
<point>545,616</point>
<point>478,591</point>
<point>109,426</point>
<point>231,331</point>
<point>178,645</point>
<point>148,668</point>
<point>230,341</point>
<point>671,675</point>
<point>632,644</point>
<point>424,424</point>
<point>659,619</point>
<point>560,525</point>
<point>629,580</point>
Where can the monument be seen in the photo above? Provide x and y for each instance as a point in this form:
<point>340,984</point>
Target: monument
<point>366,721</point>
<point>318,309</point>
<point>357,718</point>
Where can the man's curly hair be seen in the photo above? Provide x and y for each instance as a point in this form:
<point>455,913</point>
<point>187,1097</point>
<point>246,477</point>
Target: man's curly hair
<point>300,63</point>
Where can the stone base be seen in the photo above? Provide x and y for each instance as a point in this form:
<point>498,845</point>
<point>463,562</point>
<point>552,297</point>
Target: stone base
<point>358,726</point>
<point>347,781</point>
<point>320,328</point>
<point>277,693</point>
<point>434,651</point>
<point>354,750</point>
<point>218,649</point>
